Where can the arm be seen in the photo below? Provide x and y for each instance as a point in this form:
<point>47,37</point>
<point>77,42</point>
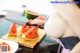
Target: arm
<point>76,49</point>
<point>71,14</point>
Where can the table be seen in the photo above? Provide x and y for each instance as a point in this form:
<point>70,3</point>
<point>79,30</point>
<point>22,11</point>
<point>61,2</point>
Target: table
<point>5,25</point>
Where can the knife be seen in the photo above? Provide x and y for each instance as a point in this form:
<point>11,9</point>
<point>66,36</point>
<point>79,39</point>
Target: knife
<point>22,23</point>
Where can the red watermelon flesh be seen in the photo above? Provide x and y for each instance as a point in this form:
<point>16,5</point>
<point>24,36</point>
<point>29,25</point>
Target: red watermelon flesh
<point>4,43</point>
<point>25,29</point>
<point>13,30</point>
<point>31,33</point>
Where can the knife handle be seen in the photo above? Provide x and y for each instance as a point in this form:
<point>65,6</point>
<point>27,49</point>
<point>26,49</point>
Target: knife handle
<point>34,25</point>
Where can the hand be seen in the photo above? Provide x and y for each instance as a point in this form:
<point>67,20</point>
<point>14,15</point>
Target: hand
<point>39,21</point>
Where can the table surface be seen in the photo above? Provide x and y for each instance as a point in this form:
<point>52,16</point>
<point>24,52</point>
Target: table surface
<point>5,25</point>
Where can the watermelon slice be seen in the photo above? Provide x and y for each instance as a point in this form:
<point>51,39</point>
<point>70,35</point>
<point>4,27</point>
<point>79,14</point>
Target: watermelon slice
<point>31,34</point>
<point>25,29</point>
<point>13,30</point>
<point>4,43</point>
<point>30,14</point>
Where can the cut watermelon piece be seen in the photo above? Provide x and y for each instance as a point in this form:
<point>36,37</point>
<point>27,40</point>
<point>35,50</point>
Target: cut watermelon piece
<point>4,43</point>
<point>31,34</point>
<point>25,29</point>
<point>31,15</point>
<point>13,30</point>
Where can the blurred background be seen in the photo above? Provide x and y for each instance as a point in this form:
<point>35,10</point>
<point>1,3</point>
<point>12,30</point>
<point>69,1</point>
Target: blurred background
<point>40,6</point>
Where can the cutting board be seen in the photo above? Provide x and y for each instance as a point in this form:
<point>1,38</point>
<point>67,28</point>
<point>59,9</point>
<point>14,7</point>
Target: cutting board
<point>26,43</point>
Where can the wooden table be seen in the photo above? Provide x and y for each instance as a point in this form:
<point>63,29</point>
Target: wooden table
<point>5,25</point>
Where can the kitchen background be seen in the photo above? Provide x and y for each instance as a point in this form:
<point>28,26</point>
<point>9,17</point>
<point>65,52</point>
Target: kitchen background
<point>40,6</point>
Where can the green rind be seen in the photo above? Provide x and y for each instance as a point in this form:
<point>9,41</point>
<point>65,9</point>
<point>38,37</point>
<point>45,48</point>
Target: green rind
<point>29,39</point>
<point>10,35</point>
<point>30,16</point>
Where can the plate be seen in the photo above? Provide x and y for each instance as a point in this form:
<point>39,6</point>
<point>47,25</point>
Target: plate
<point>3,13</point>
<point>13,45</point>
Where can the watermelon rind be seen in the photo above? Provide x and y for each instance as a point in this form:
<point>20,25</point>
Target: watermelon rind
<point>29,39</point>
<point>13,30</point>
<point>30,15</point>
<point>11,35</point>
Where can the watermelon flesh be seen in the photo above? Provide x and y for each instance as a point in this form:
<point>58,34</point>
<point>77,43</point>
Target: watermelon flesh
<point>25,29</point>
<point>31,34</point>
<point>4,43</point>
<point>13,30</point>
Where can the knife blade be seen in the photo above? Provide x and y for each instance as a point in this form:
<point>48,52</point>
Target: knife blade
<point>22,22</point>
<point>16,21</point>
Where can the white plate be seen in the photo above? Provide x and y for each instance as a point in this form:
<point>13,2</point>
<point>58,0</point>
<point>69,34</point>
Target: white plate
<point>3,13</point>
<point>13,45</point>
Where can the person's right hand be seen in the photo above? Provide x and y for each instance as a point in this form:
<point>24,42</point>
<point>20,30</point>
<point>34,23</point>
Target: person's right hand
<point>39,21</point>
